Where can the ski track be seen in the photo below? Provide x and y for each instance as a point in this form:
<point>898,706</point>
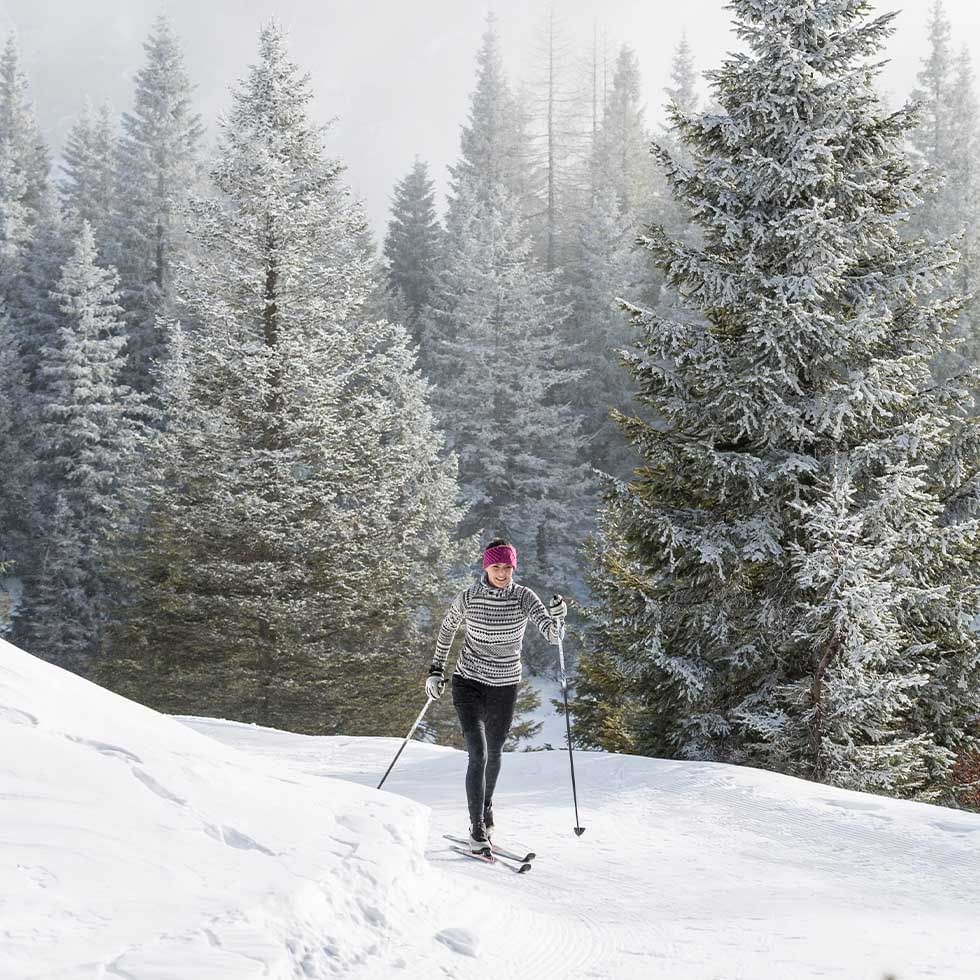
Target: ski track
<point>712,872</point>
<point>639,932</point>
<point>557,943</point>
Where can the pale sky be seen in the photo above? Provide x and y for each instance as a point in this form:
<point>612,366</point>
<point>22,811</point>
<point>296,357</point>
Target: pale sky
<point>394,74</point>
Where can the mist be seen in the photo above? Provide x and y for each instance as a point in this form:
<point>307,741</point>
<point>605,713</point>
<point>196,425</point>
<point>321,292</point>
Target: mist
<point>391,79</point>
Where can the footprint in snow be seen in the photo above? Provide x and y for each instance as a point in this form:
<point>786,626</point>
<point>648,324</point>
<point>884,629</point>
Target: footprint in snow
<point>395,833</point>
<point>17,717</point>
<point>459,941</point>
<point>103,748</point>
<point>235,838</point>
<point>373,916</point>
<point>154,787</point>
<point>37,875</point>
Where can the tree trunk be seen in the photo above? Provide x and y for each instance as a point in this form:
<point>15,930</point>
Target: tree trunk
<point>816,694</point>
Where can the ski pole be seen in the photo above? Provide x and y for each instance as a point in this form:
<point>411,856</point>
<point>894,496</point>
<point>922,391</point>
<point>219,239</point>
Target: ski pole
<point>411,732</point>
<point>579,830</point>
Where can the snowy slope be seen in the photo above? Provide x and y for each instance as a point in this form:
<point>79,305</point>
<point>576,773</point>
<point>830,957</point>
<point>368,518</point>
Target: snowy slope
<point>136,846</point>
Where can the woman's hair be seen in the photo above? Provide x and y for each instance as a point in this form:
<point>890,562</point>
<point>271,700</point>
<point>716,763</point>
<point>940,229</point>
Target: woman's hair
<point>498,543</point>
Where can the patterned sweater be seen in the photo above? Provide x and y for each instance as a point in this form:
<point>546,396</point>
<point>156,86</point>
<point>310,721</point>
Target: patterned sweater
<point>494,620</point>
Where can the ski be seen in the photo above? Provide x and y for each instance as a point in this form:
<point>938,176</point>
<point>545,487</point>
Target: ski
<point>499,851</point>
<point>490,859</point>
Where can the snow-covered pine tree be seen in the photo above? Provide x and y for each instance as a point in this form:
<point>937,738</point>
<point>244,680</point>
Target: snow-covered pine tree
<point>608,265</point>
<point>35,321</point>
<point>524,728</point>
<point>790,578</point>
<point>87,431</point>
<point>88,190</point>
<point>683,90</point>
<point>499,356</point>
<point>15,217</point>
<point>964,183</point>
<point>35,310</point>
<point>23,165</point>
<point>157,170</point>
<point>933,134</point>
<point>413,246</point>
<point>16,485</point>
<point>621,155</point>
<point>682,95</point>
<point>494,151</point>
<point>521,453</point>
<point>301,512</point>
<point>559,138</point>
<point>947,137</point>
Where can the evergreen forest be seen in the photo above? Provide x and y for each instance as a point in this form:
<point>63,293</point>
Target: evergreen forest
<point>711,366</point>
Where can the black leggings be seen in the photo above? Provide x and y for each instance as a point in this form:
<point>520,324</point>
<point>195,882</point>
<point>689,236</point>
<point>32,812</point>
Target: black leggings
<point>485,713</point>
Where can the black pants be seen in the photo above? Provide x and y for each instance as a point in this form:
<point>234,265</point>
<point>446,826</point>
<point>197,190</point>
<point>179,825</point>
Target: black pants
<point>485,713</point>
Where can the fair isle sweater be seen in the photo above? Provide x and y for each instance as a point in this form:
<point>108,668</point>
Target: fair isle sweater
<point>494,622</point>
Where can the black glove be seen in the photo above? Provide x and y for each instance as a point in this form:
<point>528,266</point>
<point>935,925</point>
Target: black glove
<point>557,609</point>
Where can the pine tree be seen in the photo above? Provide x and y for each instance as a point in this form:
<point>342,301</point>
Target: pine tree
<point>34,323</point>
<point>157,170</point>
<point>87,434</point>
<point>494,321</point>
<point>789,578</point>
<point>932,136</point>
<point>89,187</point>
<point>413,246</point>
<point>608,266</point>
<point>559,128</point>
<point>23,166</point>
<point>524,728</point>
<point>35,310</point>
<point>499,355</point>
<point>683,91</point>
<point>301,509</point>
<point>494,151</point>
<point>682,95</point>
<point>604,709</point>
<point>16,486</point>
<point>948,139</point>
<point>964,188</point>
<point>622,151</point>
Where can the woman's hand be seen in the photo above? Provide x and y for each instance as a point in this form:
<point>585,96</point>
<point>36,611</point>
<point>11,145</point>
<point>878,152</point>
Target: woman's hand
<point>557,608</point>
<point>434,684</point>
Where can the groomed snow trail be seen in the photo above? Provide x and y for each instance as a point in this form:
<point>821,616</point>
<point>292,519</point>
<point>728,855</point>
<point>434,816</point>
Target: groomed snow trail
<point>686,871</point>
<point>142,847</point>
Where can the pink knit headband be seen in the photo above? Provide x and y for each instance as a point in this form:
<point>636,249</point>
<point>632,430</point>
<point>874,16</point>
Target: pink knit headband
<point>502,554</point>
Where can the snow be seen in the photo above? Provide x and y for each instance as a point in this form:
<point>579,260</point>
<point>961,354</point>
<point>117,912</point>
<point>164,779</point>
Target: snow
<point>144,847</point>
<point>552,734</point>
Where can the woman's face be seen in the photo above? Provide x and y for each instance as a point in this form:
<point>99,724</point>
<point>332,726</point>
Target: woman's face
<point>500,575</point>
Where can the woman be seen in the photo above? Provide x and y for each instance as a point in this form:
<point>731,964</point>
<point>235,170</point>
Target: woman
<point>495,611</point>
